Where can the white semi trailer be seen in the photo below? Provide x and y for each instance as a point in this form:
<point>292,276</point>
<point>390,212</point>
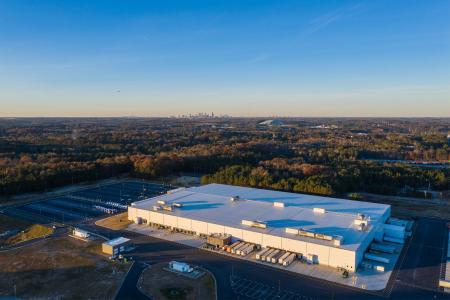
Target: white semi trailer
<point>376,257</point>
<point>289,259</point>
<point>260,253</point>
<point>283,257</point>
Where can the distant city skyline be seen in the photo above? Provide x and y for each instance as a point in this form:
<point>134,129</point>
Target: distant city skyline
<point>238,58</point>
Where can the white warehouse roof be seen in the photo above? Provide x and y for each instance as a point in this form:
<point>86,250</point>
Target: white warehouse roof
<point>211,203</point>
<point>117,241</point>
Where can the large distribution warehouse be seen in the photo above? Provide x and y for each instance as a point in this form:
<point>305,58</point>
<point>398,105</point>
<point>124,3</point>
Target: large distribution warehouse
<point>336,232</point>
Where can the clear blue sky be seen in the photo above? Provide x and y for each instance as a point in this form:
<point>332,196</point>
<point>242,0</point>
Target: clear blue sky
<point>243,58</point>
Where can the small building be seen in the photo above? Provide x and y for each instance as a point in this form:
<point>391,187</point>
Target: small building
<point>180,267</point>
<point>81,233</point>
<point>115,246</point>
<point>219,239</point>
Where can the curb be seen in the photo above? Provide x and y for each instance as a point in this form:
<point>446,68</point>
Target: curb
<point>123,280</point>
<point>138,281</point>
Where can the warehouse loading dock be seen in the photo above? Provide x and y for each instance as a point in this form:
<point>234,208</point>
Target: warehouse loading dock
<point>334,232</point>
<point>316,231</point>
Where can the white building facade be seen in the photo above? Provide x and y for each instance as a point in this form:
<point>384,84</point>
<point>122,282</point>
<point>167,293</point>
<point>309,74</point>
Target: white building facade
<point>336,232</point>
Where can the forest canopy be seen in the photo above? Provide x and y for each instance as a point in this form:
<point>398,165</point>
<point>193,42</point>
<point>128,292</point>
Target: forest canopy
<point>320,156</point>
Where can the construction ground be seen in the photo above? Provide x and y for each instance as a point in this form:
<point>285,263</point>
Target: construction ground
<point>158,283</point>
<point>363,279</point>
<point>59,268</point>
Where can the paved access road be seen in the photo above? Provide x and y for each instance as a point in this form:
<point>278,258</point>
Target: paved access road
<point>237,279</point>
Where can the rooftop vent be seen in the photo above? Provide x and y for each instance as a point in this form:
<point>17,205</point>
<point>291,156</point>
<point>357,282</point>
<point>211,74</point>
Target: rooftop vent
<point>319,210</point>
<point>361,222</point>
<point>167,207</point>
<point>338,240</point>
<point>258,224</point>
<point>235,198</point>
<point>308,233</point>
<point>361,217</point>
<point>291,230</point>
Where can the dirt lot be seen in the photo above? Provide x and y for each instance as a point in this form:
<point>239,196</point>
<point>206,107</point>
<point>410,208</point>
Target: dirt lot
<point>116,222</point>
<point>161,284</point>
<point>59,268</point>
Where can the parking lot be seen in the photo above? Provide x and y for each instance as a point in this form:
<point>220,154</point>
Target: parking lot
<point>250,289</point>
<point>87,203</point>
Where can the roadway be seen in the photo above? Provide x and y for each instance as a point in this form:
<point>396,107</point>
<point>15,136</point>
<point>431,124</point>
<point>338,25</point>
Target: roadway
<point>416,278</point>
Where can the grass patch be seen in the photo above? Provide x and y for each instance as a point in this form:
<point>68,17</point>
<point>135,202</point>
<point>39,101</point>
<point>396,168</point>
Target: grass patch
<point>33,232</point>
<point>116,222</point>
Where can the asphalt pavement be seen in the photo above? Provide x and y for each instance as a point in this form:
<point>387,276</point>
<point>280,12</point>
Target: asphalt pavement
<point>416,278</point>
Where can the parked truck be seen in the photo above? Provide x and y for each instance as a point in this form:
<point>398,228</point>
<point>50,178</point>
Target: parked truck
<point>289,259</point>
<point>235,244</point>
<point>394,240</point>
<point>248,250</point>
<point>264,257</point>
<point>239,250</point>
<point>383,248</point>
<point>260,253</point>
<point>274,259</point>
<point>269,257</point>
<point>376,257</point>
<point>283,257</point>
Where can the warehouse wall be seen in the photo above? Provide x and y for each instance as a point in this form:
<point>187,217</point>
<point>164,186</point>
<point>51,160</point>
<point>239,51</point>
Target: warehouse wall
<point>131,213</point>
<point>184,223</point>
<point>214,228</point>
<point>326,255</point>
<point>271,241</point>
<point>342,258</point>
<point>200,227</point>
<point>236,233</point>
<point>294,245</point>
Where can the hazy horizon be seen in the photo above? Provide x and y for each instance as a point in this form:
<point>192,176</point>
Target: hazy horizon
<point>243,59</point>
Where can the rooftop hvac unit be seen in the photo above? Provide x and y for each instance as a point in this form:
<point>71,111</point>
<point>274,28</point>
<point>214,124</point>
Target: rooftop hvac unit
<point>361,216</point>
<point>306,233</point>
<point>338,240</point>
<point>291,230</point>
<point>278,204</point>
<point>361,222</point>
<point>156,207</point>
<point>162,202</point>
<point>321,236</point>
<point>258,224</point>
<point>362,226</point>
<point>177,204</point>
<point>168,208</point>
<point>319,210</point>
<point>235,198</point>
